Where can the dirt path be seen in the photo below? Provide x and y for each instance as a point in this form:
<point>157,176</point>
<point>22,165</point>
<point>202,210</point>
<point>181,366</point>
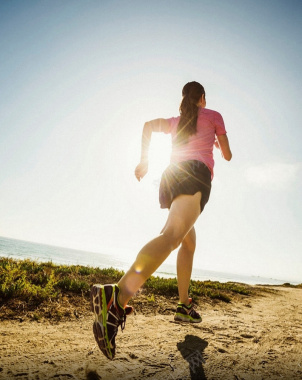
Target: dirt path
<point>260,339</point>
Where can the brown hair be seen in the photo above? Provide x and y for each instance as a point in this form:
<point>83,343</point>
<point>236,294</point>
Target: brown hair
<point>188,109</point>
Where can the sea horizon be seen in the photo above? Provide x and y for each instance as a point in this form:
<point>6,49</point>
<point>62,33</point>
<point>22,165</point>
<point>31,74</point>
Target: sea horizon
<point>22,249</point>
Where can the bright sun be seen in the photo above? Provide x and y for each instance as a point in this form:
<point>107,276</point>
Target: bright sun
<point>159,154</point>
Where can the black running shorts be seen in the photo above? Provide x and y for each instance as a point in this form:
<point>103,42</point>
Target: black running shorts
<point>187,177</point>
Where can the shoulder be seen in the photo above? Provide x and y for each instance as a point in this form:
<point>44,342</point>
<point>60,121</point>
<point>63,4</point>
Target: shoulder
<point>214,119</point>
<point>174,118</point>
<point>208,112</point>
<point>213,116</point>
<point>173,121</point>
<point>170,124</point>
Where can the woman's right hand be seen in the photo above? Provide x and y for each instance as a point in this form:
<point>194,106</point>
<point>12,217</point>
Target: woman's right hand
<point>141,170</point>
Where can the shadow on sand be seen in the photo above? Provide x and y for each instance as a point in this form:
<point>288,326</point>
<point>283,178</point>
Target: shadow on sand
<point>191,350</point>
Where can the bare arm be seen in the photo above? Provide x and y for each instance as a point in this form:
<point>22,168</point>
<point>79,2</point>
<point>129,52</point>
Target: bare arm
<point>222,143</point>
<point>157,125</point>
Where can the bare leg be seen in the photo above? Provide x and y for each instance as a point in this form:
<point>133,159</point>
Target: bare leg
<point>184,265</point>
<point>183,213</point>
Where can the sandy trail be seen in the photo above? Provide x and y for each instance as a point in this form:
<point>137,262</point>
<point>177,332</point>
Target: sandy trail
<point>260,338</point>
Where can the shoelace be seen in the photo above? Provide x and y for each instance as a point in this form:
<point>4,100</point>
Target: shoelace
<point>193,313</point>
<point>190,310</point>
<point>123,322</point>
<point>119,321</point>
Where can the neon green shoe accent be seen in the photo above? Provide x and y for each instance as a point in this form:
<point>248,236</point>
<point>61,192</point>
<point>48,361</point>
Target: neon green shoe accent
<point>186,313</point>
<point>104,319</point>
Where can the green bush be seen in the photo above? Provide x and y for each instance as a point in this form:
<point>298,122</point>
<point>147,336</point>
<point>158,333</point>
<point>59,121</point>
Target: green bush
<point>73,284</point>
<point>115,274</point>
<point>34,281</point>
<point>163,286</point>
<point>86,271</point>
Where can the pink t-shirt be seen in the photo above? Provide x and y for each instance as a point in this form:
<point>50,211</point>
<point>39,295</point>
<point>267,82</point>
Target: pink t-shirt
<point>200,145</point>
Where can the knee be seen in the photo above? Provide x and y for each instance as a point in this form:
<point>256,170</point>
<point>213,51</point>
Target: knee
<point>173,239</point>
<point>189,245</point>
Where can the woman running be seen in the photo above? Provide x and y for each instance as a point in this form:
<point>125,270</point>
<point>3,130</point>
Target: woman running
<point>184,189</point>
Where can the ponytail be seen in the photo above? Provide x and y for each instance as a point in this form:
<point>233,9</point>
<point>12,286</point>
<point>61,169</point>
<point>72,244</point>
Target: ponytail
<point>188,109</point>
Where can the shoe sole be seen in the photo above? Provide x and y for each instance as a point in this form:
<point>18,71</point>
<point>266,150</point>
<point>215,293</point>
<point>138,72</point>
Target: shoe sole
<point>99,308</point>
<point>186,318</point>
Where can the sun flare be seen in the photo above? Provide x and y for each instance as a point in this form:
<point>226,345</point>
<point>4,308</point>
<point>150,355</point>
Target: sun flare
<point>159,154</point>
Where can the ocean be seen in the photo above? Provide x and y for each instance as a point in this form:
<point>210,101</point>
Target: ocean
<point>19,249</point>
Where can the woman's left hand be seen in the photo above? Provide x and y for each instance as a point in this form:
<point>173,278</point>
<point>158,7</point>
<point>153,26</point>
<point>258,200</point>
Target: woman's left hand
<point>141,170</point>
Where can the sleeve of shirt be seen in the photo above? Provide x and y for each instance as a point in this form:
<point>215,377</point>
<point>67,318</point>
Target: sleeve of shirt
<point>219,124</point>
<point>173,121</point>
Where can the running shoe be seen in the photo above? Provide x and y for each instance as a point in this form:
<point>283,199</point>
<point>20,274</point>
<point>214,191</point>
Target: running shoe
<point>109,315</point>
<point>187,313</point>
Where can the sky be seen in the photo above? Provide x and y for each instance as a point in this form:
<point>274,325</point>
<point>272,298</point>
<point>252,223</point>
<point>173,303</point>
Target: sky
<point>78,80</point>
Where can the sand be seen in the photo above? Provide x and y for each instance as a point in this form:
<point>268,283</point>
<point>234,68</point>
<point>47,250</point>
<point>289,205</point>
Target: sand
<point>259,338</point>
